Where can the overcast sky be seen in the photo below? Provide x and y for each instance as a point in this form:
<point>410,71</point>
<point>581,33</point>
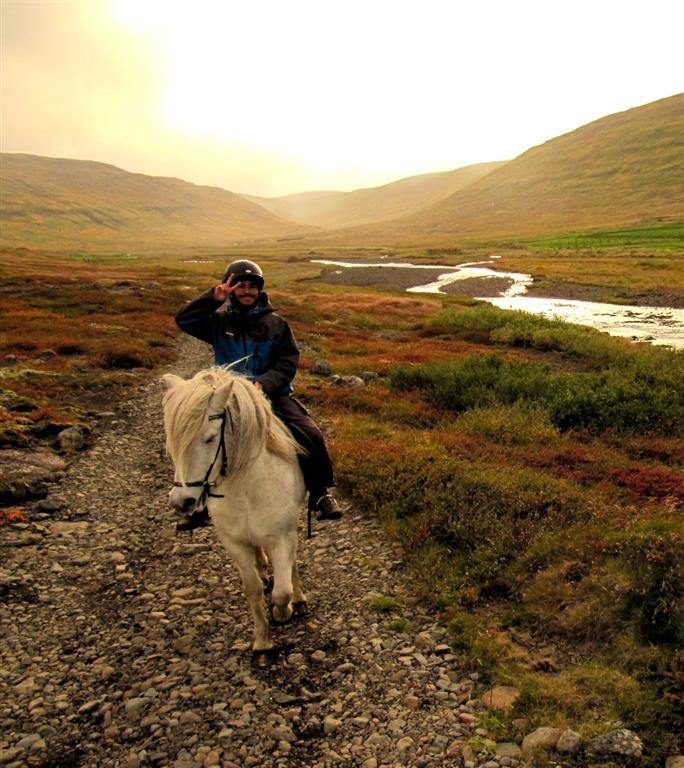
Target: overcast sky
<point>276,96</point>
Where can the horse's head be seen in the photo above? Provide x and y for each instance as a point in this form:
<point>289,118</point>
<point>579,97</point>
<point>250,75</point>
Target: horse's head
<point>195,414</point>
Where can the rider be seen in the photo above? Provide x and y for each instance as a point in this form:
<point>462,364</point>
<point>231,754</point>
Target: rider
<point>248,332</point>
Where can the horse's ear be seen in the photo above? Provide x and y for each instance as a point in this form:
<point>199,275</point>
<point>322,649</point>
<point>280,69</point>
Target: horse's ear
<point>220,397</point>
<point>170,380</point>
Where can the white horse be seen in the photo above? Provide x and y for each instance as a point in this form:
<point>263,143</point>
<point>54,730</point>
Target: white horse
<point>231,452</point>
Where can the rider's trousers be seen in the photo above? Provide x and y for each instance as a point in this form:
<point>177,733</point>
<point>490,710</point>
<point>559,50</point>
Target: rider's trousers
<point>316,464</point>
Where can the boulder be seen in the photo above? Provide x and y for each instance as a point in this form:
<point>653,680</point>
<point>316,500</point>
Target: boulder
<point>508,749</point>
<point>500,697</point>
<point>542,738</point>
<point>368,376</point>
<point>569,742</point>
<point>619,742</point>
<point>350,381</point>
<point>27,475</point>
<point>321,367</point>
<point>71,440</point>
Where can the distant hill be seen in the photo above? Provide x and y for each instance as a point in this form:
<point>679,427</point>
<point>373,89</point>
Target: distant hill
<point>333,210</point>
<point>623,169</point>
<point>58,203</point>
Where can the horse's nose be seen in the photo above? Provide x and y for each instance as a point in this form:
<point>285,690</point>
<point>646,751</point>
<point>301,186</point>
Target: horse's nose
<point>179,499</point>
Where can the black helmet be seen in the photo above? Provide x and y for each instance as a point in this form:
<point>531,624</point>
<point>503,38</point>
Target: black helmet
<point>245,270</point>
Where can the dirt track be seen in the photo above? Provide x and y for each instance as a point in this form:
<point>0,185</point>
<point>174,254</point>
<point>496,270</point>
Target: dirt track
<point>124,644</point>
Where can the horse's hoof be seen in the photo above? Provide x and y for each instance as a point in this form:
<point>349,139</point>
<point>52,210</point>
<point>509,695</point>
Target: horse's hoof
<point>300,609</point>
<point>264,658</point>
<point>282,614</point>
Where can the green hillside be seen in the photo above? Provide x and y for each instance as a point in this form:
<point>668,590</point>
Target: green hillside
<point>59,203</point>
<point>333,210</point>
<point>624,169</point>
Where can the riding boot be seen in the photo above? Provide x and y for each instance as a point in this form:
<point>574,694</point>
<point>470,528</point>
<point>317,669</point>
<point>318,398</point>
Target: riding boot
<point>325,506</point>
<point>199,518</point>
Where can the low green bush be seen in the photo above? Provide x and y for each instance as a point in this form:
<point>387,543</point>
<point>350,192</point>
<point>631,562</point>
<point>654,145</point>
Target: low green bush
<point>475,381</point>
<point>515,424</point>
<point>522,329</point>
<point>484,516</point>
<point>654,555</point>
<point>637,398</point>
<point>515,328</point>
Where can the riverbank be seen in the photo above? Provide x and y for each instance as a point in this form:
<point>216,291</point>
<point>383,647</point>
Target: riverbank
<point>401,279</point>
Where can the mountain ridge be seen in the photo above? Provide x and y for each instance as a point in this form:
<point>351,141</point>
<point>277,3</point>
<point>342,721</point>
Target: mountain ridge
<point>64,203</point>
<point>330,209</point>
<point>622,169</point>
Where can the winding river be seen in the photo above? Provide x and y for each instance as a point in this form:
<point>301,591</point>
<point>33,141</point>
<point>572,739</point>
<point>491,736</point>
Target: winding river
<point>657,325</point>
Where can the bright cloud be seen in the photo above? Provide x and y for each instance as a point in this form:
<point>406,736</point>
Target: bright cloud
<point>267,96</point>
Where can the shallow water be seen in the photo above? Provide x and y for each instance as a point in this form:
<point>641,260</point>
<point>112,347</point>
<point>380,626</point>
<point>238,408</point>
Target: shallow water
<point>657,325</point>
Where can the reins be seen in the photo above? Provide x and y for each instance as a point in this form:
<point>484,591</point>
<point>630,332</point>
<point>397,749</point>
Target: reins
<point>220,452</point>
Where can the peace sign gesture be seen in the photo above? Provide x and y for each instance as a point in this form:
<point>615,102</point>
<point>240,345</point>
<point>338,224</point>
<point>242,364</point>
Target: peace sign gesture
<point>223,290</point>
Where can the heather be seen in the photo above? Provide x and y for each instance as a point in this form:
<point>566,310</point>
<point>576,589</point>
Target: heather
<point>74,334</point>
<point>531,471</point>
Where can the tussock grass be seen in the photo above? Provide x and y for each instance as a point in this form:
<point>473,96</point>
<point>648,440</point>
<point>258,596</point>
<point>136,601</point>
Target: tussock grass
<point>513,424</point>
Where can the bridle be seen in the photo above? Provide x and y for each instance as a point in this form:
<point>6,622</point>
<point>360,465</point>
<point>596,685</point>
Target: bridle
<point>220,455</point>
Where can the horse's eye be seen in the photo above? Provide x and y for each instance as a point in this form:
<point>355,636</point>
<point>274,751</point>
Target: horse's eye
<point>211,439</point>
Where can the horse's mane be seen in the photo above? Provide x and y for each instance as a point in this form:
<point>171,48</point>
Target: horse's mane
<point>251,426</point>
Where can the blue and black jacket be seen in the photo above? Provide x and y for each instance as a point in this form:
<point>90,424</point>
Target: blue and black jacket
<point>258,335</point>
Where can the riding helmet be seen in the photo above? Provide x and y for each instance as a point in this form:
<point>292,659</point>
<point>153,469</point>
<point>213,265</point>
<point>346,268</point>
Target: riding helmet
<point>245,270</point>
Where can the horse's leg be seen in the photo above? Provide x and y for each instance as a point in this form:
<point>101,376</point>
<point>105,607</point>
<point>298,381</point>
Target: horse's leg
<point>299,601</point>
<point>282,557</point>
<point>261,559</point>
<point>254,591</point>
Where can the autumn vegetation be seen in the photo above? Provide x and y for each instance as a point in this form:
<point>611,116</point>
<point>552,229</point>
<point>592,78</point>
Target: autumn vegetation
<point>75,334</point>
<point>531,470</point>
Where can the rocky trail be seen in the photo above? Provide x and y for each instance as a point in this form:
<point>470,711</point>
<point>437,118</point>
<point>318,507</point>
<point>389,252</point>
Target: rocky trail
<point>126,644</point>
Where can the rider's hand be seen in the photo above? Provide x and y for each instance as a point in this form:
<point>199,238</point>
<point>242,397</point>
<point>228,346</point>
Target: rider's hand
<point>223,290</point>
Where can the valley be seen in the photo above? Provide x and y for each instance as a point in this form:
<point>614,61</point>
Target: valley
<point>527,474</point>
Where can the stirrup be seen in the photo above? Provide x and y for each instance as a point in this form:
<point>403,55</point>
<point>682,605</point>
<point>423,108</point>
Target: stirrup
<point>327,508</point>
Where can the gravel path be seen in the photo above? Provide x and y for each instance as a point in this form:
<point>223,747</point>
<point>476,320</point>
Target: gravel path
<point>123,644</point>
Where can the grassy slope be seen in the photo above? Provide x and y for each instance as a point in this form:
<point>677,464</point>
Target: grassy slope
<point>364,206</point>
<point>623,169</point>
<point>60,203</point>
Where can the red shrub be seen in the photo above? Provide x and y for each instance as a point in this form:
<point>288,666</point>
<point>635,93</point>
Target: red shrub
<point>641,481</point>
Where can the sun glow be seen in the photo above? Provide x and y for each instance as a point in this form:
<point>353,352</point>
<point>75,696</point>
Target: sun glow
<point>270,97</point>
<point>321,84</point>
